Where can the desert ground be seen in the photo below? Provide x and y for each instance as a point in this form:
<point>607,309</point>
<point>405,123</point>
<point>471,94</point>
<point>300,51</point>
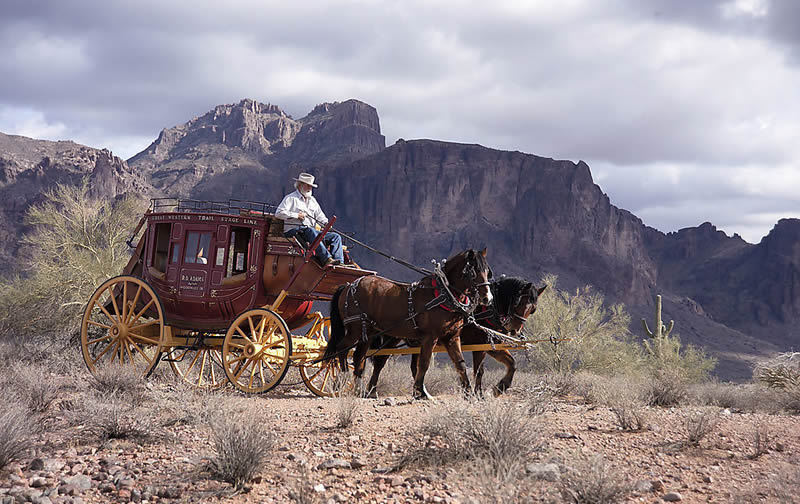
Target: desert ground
<point>117,438</point>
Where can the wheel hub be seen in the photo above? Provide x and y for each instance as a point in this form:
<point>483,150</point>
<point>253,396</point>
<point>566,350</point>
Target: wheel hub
<point>252,349</point>
<point>119,331</point>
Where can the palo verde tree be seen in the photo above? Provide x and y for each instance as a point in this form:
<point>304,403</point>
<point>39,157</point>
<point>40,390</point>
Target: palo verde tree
<point>75,243</point>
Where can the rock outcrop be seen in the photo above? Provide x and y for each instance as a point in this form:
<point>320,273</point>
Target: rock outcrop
<point>220,153</point>
<point>30,167</point>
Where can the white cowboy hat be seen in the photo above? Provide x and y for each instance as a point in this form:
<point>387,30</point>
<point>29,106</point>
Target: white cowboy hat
<point>306,178</point>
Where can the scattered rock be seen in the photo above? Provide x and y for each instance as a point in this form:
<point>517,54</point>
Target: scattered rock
<point>547,472</point>
<point>672,497</point>
<point>38,482</point>
<point>334,464</point>
<point>79,481</point>
<point>319,488</point>
<point>643,486</point>
<point>390,401</point>
<point>658,485</point>
<point>708,479</point>
<point>357,463</point>
<point>397,481</point>
<point>566,435</point>
<point>36,464</point>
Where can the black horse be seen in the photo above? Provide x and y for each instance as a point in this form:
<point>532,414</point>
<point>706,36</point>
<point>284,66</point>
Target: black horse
<point>513,301</point>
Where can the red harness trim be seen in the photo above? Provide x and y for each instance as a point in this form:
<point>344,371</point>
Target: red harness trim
<point>463,299</point>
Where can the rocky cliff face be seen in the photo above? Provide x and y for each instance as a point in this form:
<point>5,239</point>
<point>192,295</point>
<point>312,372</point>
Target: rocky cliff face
<point>220,153</point>
<point>30,167</point>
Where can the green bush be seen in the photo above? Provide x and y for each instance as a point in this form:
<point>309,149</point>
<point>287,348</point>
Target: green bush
<point>597,336</point>
<point>75,243</point>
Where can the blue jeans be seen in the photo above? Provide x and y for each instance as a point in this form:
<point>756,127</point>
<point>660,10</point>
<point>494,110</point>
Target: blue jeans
<point>332,240</point>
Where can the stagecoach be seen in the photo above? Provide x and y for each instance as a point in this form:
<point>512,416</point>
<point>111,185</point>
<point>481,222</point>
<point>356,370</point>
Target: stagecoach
<point>215,290</point>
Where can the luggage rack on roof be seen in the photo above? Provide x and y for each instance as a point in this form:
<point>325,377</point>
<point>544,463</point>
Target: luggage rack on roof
<point>230,207</point>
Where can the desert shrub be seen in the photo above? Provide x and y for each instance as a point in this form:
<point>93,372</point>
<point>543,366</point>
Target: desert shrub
<point>599,339</point>
<point>347,401</point>
<point>76,242</point>
<point>15,424</point>
<point>538,398</point>
<point>665,387</point>
<point>38,388</point>
<point>301,489</point>
<point>497,432</point>
<point>741,397</point>
<point>699,424</point>
<point>761,438</point>
<point>119,380</point>
<point>241,447</point>
<point>780,372</point>
<point>594,482</point>
<point>395,378</point>
<point>112,418</point>
<point>687,362</point>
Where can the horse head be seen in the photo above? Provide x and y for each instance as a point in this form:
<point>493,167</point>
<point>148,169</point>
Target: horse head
<point>517,301</point>
<point>469,273</point>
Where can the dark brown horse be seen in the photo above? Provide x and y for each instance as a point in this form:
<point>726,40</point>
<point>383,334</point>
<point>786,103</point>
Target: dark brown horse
<point>425,313</point>
<point>513,301</point>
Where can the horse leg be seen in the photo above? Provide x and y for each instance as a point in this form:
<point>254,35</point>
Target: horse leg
<point>477,370</point>
<point>453,347</point>
<point>423,362</point>
<point>377,365</point>
<point>359,362</point>
<point>505,358</point>
<point>414,361</point>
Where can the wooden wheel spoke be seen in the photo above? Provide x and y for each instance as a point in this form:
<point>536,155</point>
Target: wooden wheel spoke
<point>191,364</point>
<point>98,324</point>
<point>141,312</point>
<point>144,339</point>
<point>128,351</point>
<point>98,340</point>
<point>239,330</point>
<point>316,374</point>
<point>253,329</point>
<point>101,354</point>
<point>133,305</point>
<point>202,367</point>
<point>146,324</point>
<point>273,345</point>
<point>116,348</point>
<point>140,352</point>
<point>110,291</point>
<point>236,345</point>
<point>242,368</point>
<point>237,359</point>
<point>325,380</point>
<point>124,300</point>
<point>103,309</point>
<point>261,372</point>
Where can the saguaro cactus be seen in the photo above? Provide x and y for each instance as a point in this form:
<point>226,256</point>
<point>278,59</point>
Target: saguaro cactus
<point>660,335</point>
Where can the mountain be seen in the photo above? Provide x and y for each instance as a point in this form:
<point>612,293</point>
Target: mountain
<point>223,151</point>
<point>424,199</point>
<point>30,167</point>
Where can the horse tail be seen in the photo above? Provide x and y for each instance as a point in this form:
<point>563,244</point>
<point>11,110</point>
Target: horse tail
<point>337,330</point>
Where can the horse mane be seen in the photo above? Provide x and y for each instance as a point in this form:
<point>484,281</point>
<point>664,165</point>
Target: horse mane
<point>482,263</point>
<point>507,289</point>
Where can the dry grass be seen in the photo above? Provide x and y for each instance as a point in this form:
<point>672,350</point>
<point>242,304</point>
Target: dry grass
<point>37,386</point>
<point>395,378</point>
<point>301,489</point>
<point>746,397</point>
<point>781,371</point>
<point>594,482</point>
<point>538,398</point>
<point>666,387</point>
<point>115,419</point>
<point>699,425</point>
<point>495,431</point>
<point>120,381</point>
<point>628,413</point>
<point>15,425</point>
<point>241,447</point>
<point>761,441</point>
<point>348,401</point>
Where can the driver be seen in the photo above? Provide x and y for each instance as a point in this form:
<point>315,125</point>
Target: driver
<point>300,212</point>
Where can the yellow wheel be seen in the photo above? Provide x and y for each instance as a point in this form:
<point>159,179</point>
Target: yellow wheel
<point>200,367</point>
<point>123,324</point>
<point>324,379</point>
<point>257,351</point>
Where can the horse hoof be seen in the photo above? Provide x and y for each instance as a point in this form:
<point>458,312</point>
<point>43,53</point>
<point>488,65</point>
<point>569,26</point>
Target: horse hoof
<point>373,394</point>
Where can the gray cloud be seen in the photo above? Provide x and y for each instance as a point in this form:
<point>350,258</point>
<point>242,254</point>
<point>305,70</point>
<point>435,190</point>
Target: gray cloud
<point>704,90</point>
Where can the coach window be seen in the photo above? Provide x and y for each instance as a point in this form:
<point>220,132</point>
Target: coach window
<point>197,248</point>
<point>162,246</point>
<point>238,251</point>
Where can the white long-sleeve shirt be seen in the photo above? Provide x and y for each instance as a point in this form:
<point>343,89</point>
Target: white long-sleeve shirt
<point>292,204</point>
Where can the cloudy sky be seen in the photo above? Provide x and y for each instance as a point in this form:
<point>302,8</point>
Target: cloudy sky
<point>686,110</point>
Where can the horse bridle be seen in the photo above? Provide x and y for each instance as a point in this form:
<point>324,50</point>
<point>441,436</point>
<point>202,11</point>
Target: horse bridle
<point>470,272</point>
